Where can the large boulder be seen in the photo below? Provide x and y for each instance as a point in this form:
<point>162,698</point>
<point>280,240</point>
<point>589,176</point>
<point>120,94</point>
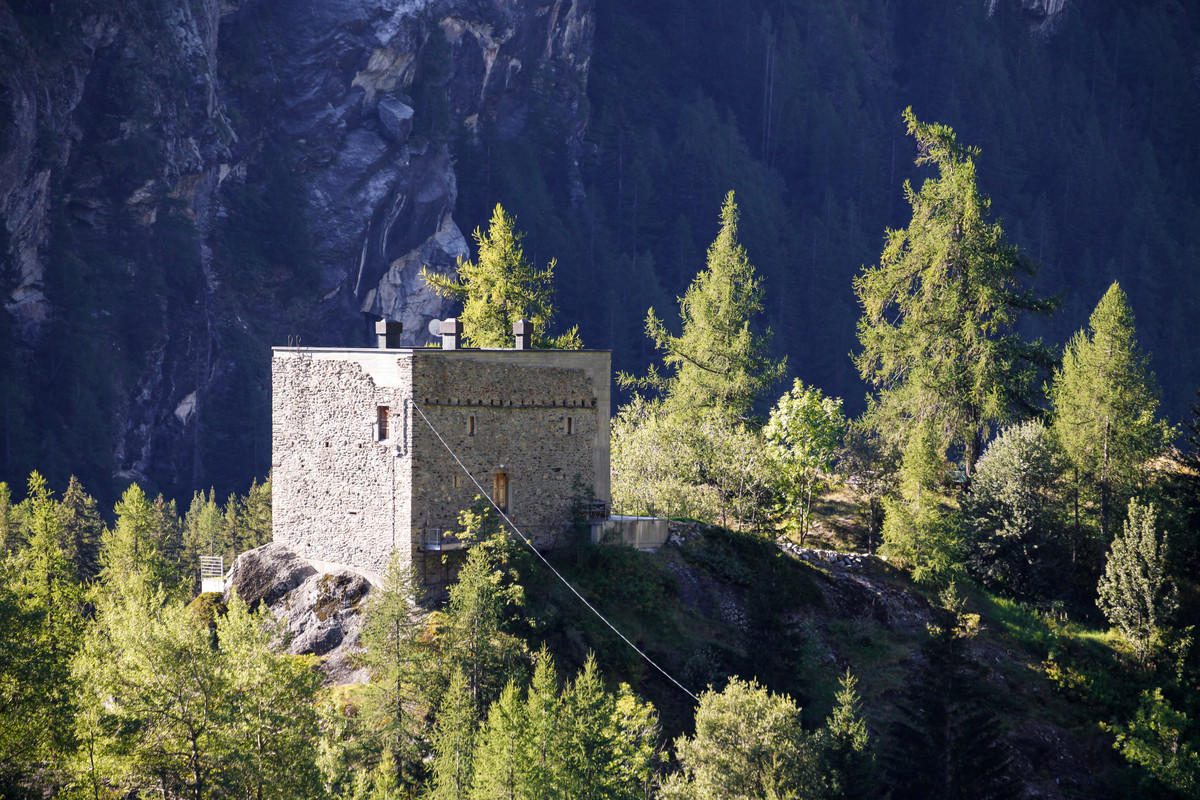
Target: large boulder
<point>320,604</point>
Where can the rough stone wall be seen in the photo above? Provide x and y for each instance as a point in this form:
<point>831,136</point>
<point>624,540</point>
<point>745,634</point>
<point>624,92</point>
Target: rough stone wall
<point>338,493</point>
<point>342,496</point>
<point>520,429</point>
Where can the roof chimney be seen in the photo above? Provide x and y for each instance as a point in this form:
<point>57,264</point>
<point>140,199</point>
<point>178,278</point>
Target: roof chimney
<point>523,332</point>
<point>388,332</point>
<point>451,330</point>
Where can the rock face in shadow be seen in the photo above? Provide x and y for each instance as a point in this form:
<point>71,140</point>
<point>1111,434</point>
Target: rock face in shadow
<point>322,609</point>
<point>186,184</point>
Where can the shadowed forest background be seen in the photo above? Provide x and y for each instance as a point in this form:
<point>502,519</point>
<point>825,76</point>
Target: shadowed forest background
<point>1086,122</point>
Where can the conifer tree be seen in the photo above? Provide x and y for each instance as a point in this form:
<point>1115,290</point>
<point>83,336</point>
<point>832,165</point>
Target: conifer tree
<point>400,662</point>
<point>947,744</point>
<point>501,287</point>
<point>940,311</point>
<point>454,742</point>
<point>83,529</point>
<point>502,759</point>
<point>1135,592</point>
<point>847,766</point>
<point>717,362</point>
<point>132,547</point>
<point>1105,408</point>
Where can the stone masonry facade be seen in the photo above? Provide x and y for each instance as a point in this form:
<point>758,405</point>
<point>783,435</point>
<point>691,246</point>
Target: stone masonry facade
<point>358,471</point>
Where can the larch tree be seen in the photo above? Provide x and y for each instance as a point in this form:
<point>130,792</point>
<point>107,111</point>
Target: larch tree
<point>1105,408</point>
<point>501,287</point>
<point>940,310</point>
<point>717,361</point>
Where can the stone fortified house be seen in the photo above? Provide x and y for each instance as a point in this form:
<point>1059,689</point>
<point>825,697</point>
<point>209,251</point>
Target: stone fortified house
<point>357,472</point>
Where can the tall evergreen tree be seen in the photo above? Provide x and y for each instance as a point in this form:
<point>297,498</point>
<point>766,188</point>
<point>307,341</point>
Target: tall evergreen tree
<point>83,529</point>
<point>501,287</point>
<point>947,744</point>
<point>132,546</point>
<point>1105,408</point>
<point>1135,592</point>
<point>940,311</point>
<point>454,741</point>
<point>846,755</point>
<point>400,661</point>
<point>717,362</point>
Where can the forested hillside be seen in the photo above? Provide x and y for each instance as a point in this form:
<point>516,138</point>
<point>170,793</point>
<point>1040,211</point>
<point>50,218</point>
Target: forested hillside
<point>185,185</point>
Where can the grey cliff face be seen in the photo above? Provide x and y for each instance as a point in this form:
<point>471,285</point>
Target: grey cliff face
<point>136,135</point>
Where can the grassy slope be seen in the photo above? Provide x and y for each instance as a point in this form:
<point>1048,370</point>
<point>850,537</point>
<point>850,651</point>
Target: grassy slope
<point>728,603</point>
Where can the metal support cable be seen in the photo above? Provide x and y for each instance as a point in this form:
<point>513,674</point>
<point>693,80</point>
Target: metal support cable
<point>549,566</point>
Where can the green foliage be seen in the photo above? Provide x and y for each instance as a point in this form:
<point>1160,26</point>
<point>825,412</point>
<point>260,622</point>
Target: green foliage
<point>166,706</point>
<point>1135,592</point>
<point>651,473</point>
<point>501,287</point>
<point>82,528</point>
<point>846,757</point>
<point>474,638</point>
<point>399,654</point>
<point>717,362</point>
<point>134,546</point>
<point>940,310</point>
<point>920,530</point>
<point>1105,409</point>
<point>1015,538</point>
<point>947,743</point>
<point>1162,740</point>
<point>748,744</point>
<point>804,432</point>
<point>454,741</point>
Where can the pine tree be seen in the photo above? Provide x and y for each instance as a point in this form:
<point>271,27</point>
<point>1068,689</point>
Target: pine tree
<point>1105,405</point>
<point>501,287</point>
<point>1135,593</point>
<point>717,363</point>
<point>947,744</point>
<point>502,760</point>
<point>940,310</point>
<point>847,766</point>
<point>400,660</point>
<point>267,713</point>
<point>83,528</point>
<point>454,742</point>
<point>131,547</point>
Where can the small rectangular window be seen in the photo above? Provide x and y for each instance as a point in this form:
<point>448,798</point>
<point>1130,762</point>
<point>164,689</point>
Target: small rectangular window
<point>457,480</point>
<point>471,425</point>
<point>381,422</point>
<point>570,425</point>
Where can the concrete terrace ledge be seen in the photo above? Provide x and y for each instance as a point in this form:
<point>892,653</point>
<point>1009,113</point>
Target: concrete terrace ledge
<point>643,533</point>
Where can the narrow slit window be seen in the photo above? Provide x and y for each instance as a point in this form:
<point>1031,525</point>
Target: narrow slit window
<point>570,425</point>
<point>500,490</point>
<point>471,425</point>
<point>382,423</point>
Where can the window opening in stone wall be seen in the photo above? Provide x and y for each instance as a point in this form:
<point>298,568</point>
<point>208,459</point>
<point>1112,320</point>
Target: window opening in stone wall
<point>500,490</point>
<point>570,425</point>
<point>471,425</point>
<point>457,480</point>
<point>381,422</point>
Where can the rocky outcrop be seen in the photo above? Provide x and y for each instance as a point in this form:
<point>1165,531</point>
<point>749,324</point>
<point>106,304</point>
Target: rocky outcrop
<point>320,604</point>
<point>148,154</point>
